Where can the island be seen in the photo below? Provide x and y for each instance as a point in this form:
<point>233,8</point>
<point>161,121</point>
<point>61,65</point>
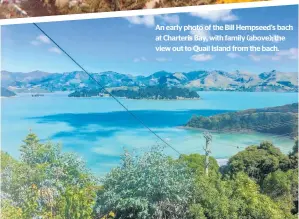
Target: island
<point>149,92</point>
<point>6,93</point>
<point>280,120</point>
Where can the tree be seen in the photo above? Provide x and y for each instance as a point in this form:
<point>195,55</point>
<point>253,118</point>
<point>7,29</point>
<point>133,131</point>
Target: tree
<point>146,186</point>
<point>196,163</point>
<point>283,188</point>
<point>294,156</point>
<point>258,161</point>
<point>234,198</point>
<point>46,182</point>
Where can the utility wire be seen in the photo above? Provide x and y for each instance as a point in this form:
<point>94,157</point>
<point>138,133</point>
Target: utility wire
<point>24,13</point>
<point>103,88</point>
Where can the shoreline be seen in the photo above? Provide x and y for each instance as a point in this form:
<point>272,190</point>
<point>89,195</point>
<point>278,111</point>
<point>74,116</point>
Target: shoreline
<point>244,131</point>
<point>143,98</point>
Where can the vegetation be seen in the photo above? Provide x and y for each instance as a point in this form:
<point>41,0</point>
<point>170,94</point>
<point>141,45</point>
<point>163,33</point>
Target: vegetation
<point>282,120</point>
<point>259,161</point>
<point>147,186</point>
<point>273,171</point>
<point>150,92</point>
<point>45,183</point>
<point>6,93</point>
<point>259,182</point>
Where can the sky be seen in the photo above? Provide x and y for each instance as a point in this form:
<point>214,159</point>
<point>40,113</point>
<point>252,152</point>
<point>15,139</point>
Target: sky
<point>127,45</point>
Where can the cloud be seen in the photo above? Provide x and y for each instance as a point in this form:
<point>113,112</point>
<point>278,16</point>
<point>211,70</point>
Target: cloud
<point>256,58</point>
<point>40,40</point>
<point>201,57</point>
<point>150,20</point>
<point>141,59</point>
<point>35,43</point>
<point>291,53</point>
<point>162,59</point>
<point>43,39</point>
<point>170,19</point>
<point>55,50</point>
<point>233,55</point>
<point>202,33</point>
<point>217,15</point>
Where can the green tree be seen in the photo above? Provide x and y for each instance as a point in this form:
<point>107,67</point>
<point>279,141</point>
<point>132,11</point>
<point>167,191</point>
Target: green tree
<point>283,188</point>
<point>258,161</point>
<point>146,186</point>
<point>46,182</point>
<point>196,163</point>
<point>236,198</point>
<point>294,156</point>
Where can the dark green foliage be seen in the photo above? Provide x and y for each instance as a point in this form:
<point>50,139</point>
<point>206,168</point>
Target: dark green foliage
<point>258,161</point>
<point>275,172</point>
<point>282,187</point>
<point>86,93</point>
<point>294,156</point>
<point>150,92</point>
<point>282,120</point>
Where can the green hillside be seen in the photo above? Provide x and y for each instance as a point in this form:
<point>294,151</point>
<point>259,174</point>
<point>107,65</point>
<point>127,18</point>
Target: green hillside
<point>281,120</point>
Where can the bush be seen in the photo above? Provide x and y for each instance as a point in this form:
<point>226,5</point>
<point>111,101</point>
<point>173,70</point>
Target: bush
<point>146,186</point>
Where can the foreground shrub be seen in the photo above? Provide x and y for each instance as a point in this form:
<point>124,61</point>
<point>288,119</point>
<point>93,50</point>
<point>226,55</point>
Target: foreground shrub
<point>147,186</point>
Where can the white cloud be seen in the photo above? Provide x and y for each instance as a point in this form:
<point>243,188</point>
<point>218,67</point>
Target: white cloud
<point>55,50</point>
<point>43,39</point>
<point>217,15</point>
<point>141,59</point>
<point>291,53</point>
<point>150,20</point>
<point>162,59</point>
<point>233,55</point>
<point>35,43</point>
<point>40,40</point>
<point>170,19</point>
<point>256,58</point>
<point>202,33</point>
<point>201,57</point>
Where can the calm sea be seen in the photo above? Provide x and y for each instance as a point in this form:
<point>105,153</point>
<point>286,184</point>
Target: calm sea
<point>98,129</point>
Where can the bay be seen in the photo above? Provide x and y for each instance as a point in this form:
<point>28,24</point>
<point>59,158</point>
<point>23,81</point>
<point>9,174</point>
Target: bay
<point>98,129</point>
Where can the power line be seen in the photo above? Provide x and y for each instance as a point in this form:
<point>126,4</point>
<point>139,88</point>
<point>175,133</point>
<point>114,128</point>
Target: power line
<point>259,127</point>
<point>103,88</point>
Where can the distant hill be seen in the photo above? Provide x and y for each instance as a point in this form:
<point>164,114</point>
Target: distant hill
<point>6,93</point>
<point>281,120</point>
<point>195,80</point>
<point>149,92</point>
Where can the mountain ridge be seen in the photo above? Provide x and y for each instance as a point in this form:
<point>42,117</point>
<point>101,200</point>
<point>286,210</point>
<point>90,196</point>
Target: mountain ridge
<point>196,80</point>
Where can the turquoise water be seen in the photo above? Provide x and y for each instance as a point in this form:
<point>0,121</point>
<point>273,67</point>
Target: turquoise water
<point>98,129</point>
